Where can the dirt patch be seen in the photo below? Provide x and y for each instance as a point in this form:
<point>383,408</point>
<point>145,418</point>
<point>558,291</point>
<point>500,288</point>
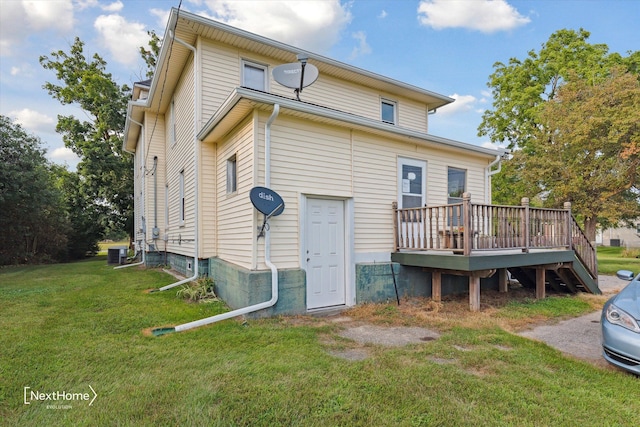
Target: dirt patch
<point>394,336</point>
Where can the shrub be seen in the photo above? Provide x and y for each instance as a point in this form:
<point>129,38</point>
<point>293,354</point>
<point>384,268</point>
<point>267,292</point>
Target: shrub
<point>199,290</point>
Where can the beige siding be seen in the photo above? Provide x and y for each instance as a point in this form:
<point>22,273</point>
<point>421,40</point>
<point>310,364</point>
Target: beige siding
<point>208,198</point>
<point>235,217</point>
<point>221,73</point>
<point>179,157</point>
<point>306,159</point>
<point>375,184</point>
<point>155,146</point>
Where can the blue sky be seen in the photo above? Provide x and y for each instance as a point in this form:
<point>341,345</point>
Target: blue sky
<point>446,46</point>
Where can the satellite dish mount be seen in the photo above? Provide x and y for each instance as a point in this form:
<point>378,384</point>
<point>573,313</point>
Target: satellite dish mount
<point>303,63</point>
<point>268,203</point>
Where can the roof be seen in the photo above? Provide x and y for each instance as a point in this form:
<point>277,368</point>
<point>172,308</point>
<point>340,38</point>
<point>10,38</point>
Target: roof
<point>188,27</point>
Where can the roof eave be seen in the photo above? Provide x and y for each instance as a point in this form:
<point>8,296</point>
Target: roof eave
<point>220,123</point>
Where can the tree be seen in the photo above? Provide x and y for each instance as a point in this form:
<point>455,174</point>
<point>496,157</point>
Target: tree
<point>150,56</point>
<point>521,88</point>
<point>567,144</point>
<point>586,150</point>
<point>106,172</point>
<point>33,217</point>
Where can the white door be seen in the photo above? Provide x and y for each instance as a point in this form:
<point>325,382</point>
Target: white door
<point>325,257</point>
<point>412,190</point>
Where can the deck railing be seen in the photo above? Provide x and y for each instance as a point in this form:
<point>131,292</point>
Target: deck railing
<point>472,228</point>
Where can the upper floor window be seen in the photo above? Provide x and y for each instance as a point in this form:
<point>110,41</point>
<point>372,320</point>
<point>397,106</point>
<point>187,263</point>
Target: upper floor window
<point>388,111</point>
<point>254,76</point>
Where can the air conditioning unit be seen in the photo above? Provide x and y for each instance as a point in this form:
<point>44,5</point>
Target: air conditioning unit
<point>117,255</point>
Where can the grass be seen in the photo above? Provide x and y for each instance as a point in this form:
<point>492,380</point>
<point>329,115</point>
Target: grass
<point>68,326</point>
<point>612,259</point>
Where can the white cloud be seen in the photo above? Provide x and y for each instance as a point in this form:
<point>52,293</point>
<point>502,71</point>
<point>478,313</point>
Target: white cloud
<point>162,16</point>
<point>383,14</point>
<point>363,47</point>
<point>486,16</point>
<point>121,38</point>
<point>63,154</point>
<point>462,103</point>
<point>33,120</point>
<point>19,19</point>
<point>312,25</point>
<point>113,7</point>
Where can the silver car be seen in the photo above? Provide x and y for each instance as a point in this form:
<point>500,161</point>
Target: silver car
<point>621,326</point>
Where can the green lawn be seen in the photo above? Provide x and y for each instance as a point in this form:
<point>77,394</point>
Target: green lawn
<point>610,260</point>
<point>70,326</point>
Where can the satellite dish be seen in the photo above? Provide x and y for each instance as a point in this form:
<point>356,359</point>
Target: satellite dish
<point>266,201</point>
<point>289,75</point>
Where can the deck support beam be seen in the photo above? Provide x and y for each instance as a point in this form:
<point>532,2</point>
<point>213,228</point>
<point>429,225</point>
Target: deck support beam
<point>436,286</point>
<point>474,293</point>
<point>540,282</point>
<point>503,280</point>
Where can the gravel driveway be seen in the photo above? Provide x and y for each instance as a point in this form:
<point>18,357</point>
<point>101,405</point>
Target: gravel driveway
<point>580,336</point>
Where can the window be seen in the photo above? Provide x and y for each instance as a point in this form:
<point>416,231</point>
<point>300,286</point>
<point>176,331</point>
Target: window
<point>457,179</point>
<point>172,124</point>
<point>412,181</point>
<point>388,111</point>
<point>254,76</point>
<point>232,177</point>
<point>182,199</point>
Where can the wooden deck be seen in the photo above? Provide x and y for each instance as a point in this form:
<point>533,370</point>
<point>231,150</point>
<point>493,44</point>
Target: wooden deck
<point>540,247</point>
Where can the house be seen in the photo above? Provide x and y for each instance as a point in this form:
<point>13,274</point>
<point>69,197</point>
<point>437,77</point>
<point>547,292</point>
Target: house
<point>628,237</point>
<point>213,124</point>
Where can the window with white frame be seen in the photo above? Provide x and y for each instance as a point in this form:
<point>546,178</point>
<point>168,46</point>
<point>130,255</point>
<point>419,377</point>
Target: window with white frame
<point>388,111</point>
<point>232,174</point>
<point>182,197</point>
<point>254,76</point>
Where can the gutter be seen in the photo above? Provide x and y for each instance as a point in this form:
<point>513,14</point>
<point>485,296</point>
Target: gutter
<point>267,254</point>
<point>490,173</point>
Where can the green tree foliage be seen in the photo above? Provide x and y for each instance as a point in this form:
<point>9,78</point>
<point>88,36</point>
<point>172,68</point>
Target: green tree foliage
<point>106,172</point>
<point>33,216</point>
<point>586,150</point>
<point>150,56</point>
<point>569,113</point>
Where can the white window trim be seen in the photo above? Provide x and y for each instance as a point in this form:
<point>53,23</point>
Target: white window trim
<point>395,110</point>
<point>263,67</point>
<point>417,163</point>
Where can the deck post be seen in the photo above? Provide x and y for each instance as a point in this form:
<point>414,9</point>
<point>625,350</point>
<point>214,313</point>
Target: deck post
<point>540,281</point>
<point>525,224</point>
<point>474,292</point>
<point>467,235</point>
<point>436,286</point>
<point>394,206</point>
<point>503,280</point>
<point>567,206</point>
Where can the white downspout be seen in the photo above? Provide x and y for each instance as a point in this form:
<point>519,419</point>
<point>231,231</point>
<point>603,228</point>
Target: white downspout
<point>489,174</point>
<point>144,192</point>
<point>196,227</point>
<point>267,253</point>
